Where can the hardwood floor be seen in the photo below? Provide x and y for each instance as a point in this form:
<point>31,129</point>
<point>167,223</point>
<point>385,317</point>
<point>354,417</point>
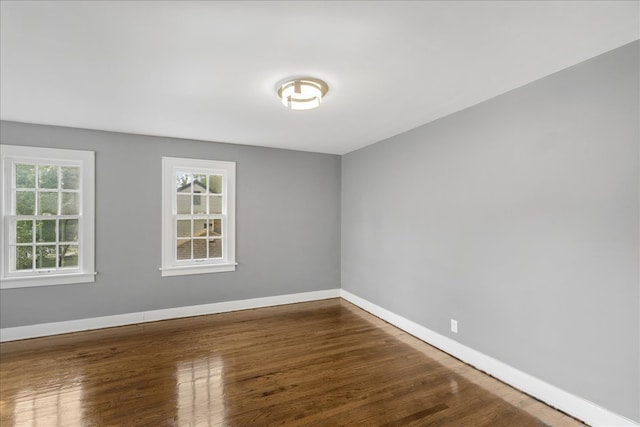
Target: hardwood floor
<point>319,363</point>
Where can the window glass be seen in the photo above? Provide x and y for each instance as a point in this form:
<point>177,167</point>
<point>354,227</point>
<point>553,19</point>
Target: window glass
<point>25,202</point>
<point>46,256</point>
<point>68,231</point>
<point>215,204</point>
<point>69,256</point>
<point>47,203</point>
<point>46,230</point>
<point>183,249</point>
<point>215,184</point>
<point>70,204</point>
<point>215,248</point>
<point>70,178</point>
<point>25,176</point>
<point>24,258</point>
<point>24,231</point>
<point>47,176</point>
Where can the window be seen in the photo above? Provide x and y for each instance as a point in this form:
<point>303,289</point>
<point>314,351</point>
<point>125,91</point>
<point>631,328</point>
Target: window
<point>47,235</point>
<point>198,216</point>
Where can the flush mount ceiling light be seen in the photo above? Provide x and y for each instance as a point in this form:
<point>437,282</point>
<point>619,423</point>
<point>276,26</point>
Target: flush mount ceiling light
<point>303,93</point>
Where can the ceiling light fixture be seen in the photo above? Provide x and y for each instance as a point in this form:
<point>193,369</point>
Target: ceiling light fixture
<point>303,93</point>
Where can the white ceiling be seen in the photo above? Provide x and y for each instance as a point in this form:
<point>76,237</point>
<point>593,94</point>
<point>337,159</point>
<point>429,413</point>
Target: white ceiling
<point>208,70</point>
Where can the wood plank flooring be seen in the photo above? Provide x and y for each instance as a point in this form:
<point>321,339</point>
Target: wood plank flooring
<point>323,363</point>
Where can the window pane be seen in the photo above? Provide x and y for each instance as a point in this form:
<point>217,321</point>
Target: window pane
<point>48,176</point>
<point>217,227</point>
<point>70,178</point>
<point>215,204</point>
<point>198,206</point>
<point>200,183</point>
<point>184,228</point>
<point>200,228</point>
<point>183,182</point>
<point>25,202</point>
<point>47,203</point>
<point>69,256</point>
<point>24,231</point>
<point>68,230</point>
<point>46,256</point>
<point>183,250</point>
<point>70,204</point>
<point>25,176</point>
<point>184,205</point>
<point>199,248</point>
<point>46,230</point>
<point>215,184</point>
<point>215,248</point>
<point>24,258</point>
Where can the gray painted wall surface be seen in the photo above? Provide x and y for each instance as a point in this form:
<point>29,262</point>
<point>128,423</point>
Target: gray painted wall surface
<point>288,227</point>
<point>519,218</point>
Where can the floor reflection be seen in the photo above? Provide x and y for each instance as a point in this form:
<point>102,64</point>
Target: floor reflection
<point>52,406</point>
<point>200,390</point>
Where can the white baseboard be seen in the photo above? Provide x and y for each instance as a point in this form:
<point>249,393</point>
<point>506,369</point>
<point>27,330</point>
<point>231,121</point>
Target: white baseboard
<point>46,329</point>
<point>245,304</point>
<point>55,328</point>
<point>578,407</point>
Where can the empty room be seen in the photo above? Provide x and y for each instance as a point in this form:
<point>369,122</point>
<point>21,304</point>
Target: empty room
<point>320,213</point>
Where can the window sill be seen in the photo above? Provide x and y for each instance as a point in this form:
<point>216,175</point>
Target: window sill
<point>51,280</point>
<point>198,269</point>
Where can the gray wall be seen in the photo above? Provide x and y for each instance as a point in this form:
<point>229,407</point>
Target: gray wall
<point>519,218</point>
<point>288,227</point>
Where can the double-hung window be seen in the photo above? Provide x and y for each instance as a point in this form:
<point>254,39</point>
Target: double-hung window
<point>47,235</point>
<point>198,216</point>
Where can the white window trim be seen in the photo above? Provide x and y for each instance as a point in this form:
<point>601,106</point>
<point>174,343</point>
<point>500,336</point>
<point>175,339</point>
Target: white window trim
<point>171,267</point>
<point>85,273</point>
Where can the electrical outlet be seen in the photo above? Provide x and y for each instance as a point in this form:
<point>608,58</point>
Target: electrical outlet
<point>454,326</point>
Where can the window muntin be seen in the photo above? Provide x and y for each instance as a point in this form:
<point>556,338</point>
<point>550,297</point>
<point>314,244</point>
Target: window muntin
<point>198,216</point>
<point>48,216</point>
